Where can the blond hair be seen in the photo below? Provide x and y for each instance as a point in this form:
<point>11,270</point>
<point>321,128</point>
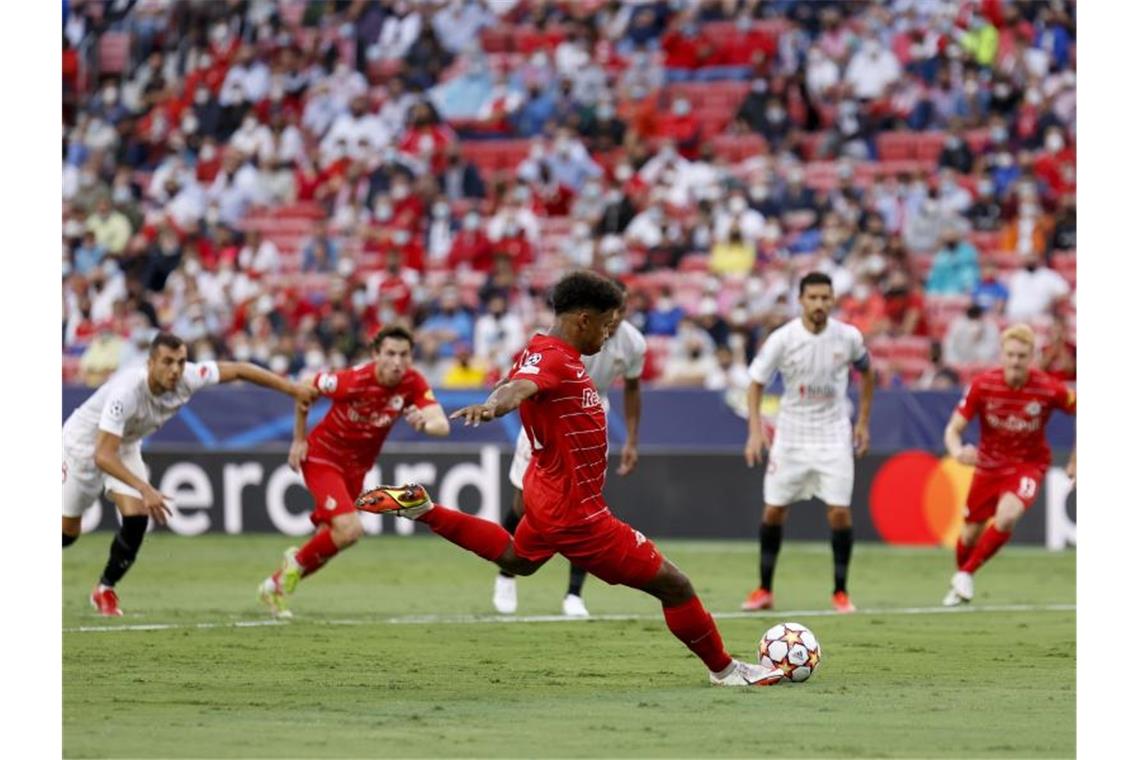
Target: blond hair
<point>1021,332</point>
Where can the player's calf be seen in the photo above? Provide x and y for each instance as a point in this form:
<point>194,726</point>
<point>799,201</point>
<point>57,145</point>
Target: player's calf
<point>124,549</point>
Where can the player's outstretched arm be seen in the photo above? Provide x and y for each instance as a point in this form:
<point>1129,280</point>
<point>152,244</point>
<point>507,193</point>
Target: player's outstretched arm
<point>964,453</point>
<point>302,393</point>
<point>757,438</point>
<point>430,419</point>
<point>107,459</point>
<point>299,448</point>
<point>503,400</point>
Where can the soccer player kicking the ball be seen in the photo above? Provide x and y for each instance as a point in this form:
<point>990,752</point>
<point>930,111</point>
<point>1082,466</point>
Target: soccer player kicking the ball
<point>101,446</point>
<point>565,511</point>
<point>1013,403</point>
<point>623,355</point>
<point>812,453</point>
<point>335,457</point>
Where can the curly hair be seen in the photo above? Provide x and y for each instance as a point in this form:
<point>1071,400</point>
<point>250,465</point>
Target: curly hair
<point>585,290</point>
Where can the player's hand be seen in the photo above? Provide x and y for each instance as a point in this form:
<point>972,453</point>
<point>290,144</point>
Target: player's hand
<point>415,418</point>
<point>474,414</point>
<point>304,395</point>
<point>1071,470</point>
<point>862,438</point>
<point>754,448</point>
<point>628,459</point>
<point>968,455</point>
<point>297,453</point>
<point>154,503</point>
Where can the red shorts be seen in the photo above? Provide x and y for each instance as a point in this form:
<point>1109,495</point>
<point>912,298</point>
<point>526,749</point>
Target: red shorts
<point>987,487</point>
<point>334,492</point>
<point>607,548</point>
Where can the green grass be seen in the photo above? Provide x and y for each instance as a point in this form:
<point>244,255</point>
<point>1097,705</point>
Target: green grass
<point>343,680</point>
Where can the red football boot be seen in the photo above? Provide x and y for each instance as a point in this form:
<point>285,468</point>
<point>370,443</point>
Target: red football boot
<point>105,601</point>
<point>760,599</point>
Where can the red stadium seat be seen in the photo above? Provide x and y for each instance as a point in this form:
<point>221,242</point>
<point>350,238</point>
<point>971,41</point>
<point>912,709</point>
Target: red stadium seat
<point>114,49</point>
<point>737,148</point>
<point>928,145</point>
<point>896,146</point>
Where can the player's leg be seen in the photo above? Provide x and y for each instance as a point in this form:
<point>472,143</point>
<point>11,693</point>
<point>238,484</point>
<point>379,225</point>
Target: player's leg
<point>835,477</point>
<point>771,537</point>
<point>967,539</point>
<point>573,604</point>
<point>128,539</point>
<point>82,484</point>
<point>842,542</point>
<point>505,596</point>
<point>71,529</point>
<point>1010,508</point>
<point>785,479</point>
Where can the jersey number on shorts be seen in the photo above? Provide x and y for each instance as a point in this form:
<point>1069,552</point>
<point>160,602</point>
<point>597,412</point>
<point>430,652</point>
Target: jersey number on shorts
<point>1027,488</point>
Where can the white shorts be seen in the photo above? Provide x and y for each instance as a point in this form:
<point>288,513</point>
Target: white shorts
<point>520,461</point>
<point>83,481</point>
<point>798,474</point>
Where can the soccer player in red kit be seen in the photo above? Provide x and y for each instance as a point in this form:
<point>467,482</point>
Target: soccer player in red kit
<point>565,512</point>
<point>335,457</point>
<point>1013,404</point>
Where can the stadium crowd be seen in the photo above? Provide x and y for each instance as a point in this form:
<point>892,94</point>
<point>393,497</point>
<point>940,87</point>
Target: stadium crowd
<point>274,181</point>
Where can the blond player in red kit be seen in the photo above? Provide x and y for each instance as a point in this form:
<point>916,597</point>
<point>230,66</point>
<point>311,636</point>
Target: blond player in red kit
<point>1013,404</point>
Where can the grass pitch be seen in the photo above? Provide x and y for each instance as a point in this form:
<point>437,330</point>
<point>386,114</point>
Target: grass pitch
<point>395,652</point>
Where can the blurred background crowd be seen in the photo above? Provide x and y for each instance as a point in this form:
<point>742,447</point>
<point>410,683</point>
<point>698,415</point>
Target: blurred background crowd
<point>273,181</point>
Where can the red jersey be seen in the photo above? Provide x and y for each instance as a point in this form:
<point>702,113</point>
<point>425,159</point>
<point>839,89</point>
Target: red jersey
<point>1013,419</point>
<point>350,435</point>
<point>566,426</point>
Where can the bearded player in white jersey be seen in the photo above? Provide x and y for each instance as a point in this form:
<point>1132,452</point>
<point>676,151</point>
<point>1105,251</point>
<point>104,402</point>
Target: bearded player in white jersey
<point>101,446</point>
<point>812,451</point>
<point>623,355</point>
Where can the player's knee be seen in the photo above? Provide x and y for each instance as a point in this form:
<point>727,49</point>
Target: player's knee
<point>839,518</point>
<point>774,515</point>
<point>671,586</point>
<point>347,532</point>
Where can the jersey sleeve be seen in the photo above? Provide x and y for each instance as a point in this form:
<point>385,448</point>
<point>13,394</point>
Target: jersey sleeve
<point>858,355</point>
<point>118,408</point>
<point>422,394</point>
<point>198,376</point>
<point>968,406</point>
<point>336,385</point>
<point>545,369</point>
<point>763,367</point>
<point>638,348</point>
<point>1065,399</point>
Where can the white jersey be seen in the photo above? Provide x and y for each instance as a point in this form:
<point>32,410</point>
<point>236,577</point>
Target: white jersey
<point>623,355</point>
<point>814,407</point>
<point>125,406</point>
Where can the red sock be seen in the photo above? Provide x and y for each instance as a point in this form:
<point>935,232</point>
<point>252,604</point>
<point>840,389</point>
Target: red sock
<point>487,539</point>
<point>695,627</point>
<point>962,553</point>
<point>992,539</point>
<point>319,550</point>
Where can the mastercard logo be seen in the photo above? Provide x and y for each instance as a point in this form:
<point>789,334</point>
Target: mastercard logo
<point>918,498</point>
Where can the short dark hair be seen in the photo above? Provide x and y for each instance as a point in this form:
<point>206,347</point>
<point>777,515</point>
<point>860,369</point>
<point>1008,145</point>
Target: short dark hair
<point>170,340</point>
<point>814,278</point>
<point>391,331</point>
<point>584,289</point>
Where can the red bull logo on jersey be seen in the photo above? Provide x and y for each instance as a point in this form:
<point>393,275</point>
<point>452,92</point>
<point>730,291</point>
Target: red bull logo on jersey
<point>590,398</point>
<point>1013,424</point>
<point>375,419</point>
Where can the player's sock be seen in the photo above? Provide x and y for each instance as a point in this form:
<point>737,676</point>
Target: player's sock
<point>694,626</point>
<point>69,540</point>
<point>510,523</point>
<point>314,554</point>
<point>577,578</point>
<point>842,539</point>
<point>770,538</point>
<point>961,553</point>
<point>992,539</point>
<point>124,549</point>
<point>483,537</point>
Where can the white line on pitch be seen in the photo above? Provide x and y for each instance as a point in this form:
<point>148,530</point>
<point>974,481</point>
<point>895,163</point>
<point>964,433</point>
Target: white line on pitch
<point>494,619</point>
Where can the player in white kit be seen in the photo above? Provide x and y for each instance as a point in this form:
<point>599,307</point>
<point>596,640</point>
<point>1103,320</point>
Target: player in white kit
<point>623,355</point>
<point>812,451</point>
<point>101,446</point>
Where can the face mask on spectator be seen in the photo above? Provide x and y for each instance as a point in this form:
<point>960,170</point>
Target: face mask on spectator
<point>402,237</point>
<point>121,194</point>
<point>664,303</point>
<point>1054,141</point>
<point>110,95</point>
<point>736,204</point>
<point>400,191</point>
<point>605,112</point>
<point>986,189</point>
<point>242,352</point>
<point>471,222</point>
<point>774,113</point>
<point>1004,160</point>
<point>623,172</point>
<point>440,210</point>
<point>681,107</point>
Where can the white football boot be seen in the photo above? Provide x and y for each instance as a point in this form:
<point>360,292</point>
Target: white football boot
<point>746,674</point>
<point>573,606</point>
<point>961,590</point>
<point>505,598</point>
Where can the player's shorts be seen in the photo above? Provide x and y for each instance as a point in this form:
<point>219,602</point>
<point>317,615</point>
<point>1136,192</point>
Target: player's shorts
<point>519,463</point>
<point>797,474</point>
<point>607,548</point>
<point>83,481</point>
<point>334,492</point>
<point>988,486</point>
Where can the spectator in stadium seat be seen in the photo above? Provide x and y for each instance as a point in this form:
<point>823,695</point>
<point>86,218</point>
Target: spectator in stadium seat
<point>1034,290</point>
<point>111,228</point>
<point>904,304</point>
<point>984,214</point>
<point>460,178</point>
<point>1030,230</point>
<point>499,334</point>
<point>664,317</point>
<point>871,69</point>
<point>799,202</point>
<point>163,256</point>
<point>321,251</point>
<point>1058,353</point>
<point>1056,166</point>
<point>923,228</point>
<point>990,293</point>
<point>458,24</point>
<point>605,131</point>
<point>736,214</point>
<point>400,30</point>
<point>426,59</point>
<point>449,323</point>
<point>691,359</point>
<point>822,75</point>
<point>617,213</point>
<point>972,338</point>
<point>1064,236</point>
<point>955,268</point>
<point>470,248</point>
<point>87,255</point>
<point>681,126</point>
<point>259,256</point>
<point>569,161</point>
<point>956,153</point>
<point>708,318</point>
<point>730,371</point>
<point>464,370</point>
<point>645,27</point>
<point>535,111</point>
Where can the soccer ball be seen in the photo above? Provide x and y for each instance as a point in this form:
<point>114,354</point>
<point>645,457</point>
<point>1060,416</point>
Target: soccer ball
<point>792,648</point>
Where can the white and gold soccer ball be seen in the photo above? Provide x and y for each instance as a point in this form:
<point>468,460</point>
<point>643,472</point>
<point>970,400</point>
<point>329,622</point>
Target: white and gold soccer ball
<point>791,648</point>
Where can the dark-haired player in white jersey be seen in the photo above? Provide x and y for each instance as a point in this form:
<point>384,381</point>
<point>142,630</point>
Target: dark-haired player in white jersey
<point>101,446</point>
<point>812,451</point>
